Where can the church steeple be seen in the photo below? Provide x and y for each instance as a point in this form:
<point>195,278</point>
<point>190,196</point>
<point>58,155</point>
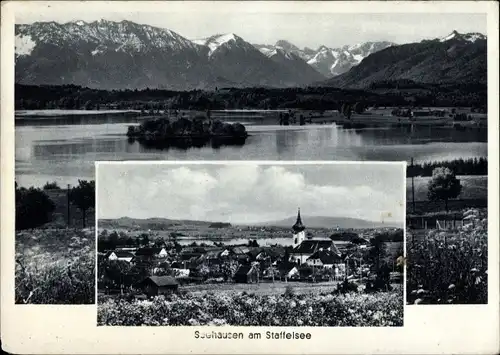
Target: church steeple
<point>298,226</point>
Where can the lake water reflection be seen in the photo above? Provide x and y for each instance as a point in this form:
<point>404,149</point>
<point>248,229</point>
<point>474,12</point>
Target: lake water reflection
<point>66,153</point>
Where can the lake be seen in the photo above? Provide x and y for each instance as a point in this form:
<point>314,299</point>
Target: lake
<point>65,153</point>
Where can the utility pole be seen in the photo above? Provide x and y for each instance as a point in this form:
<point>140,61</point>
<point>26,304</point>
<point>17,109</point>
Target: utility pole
<point>68,206</point>
<point>412,171</point>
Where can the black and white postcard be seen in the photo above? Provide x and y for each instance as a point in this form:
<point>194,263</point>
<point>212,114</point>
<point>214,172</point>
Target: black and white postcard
<point>303,91</point>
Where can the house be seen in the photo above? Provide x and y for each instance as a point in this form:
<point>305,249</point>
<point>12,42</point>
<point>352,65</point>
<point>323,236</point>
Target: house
<point>212,257</point>
<point>192,252</point>
<point>159,285</point>
<point>240,254</point>
<point>240,250</point>
<point>253,252</point>
<point>246,274</point>
<point>130,249</point>
<point>152,252</point>
<point>288,270</point>
<point>180,273</point>
<point>308,247</point>
<point>225,253</point>
<point>119,255</point>
<point>325,259</point>
<point>180,264</point>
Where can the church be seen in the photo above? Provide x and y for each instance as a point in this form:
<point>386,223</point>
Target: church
<point>306,246</point>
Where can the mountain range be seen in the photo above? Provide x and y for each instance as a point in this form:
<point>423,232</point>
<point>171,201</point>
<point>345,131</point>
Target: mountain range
<point>333,222</point>
<point>456,58</point>
<point>126,55</point>
<point>329,61</point>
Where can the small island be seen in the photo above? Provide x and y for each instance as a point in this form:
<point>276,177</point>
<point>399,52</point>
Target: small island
<point>164,132</point>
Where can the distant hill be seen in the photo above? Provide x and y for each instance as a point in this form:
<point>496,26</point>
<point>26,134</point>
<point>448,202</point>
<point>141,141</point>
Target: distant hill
<point>151,223</point>
<point>332,222</point>
<point>456,58</point>
<point>309,221</point>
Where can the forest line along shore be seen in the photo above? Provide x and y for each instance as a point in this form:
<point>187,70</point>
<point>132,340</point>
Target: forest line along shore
<point>250,117</point>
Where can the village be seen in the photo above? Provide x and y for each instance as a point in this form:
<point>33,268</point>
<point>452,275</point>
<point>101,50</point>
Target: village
<point>158,267</point>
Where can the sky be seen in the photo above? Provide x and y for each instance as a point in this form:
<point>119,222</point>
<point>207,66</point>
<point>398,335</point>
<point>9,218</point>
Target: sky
<point>304,29</point>
<point>250,193</point>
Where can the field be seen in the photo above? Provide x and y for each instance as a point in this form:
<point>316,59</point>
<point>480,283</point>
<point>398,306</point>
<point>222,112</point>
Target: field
<point>55,266</point>
<point>449,267</point>
<point>474,194</point>
<point>264,288</point>
<point>243,309</point>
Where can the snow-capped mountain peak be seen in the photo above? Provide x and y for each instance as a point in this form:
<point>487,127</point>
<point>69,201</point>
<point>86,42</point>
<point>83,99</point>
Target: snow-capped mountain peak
<point>468,37</point>
<point>336,61</point>
<point>287,46</point>
<point>219,40</point>
<point>103,35</point>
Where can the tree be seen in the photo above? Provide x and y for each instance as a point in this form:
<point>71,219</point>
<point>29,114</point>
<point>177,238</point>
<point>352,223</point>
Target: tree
<point>359,107</point>
<point>377,252</point>
<point>51,186</point>
<point>115,271</point>
<point>347,110</point>
<point>443,185</point>
<point>88,105</point>
<point>33,208</point>
<point>228,269</point>
<point>144,239</point>
<point>83,196</point>
<point>253,243</point>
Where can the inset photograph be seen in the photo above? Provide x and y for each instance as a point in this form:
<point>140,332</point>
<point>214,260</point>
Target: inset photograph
<point>250,244</point>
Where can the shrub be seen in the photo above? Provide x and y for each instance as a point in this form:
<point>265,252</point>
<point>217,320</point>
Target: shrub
<point>450,266</point>
<point>56,283</point>
<point>382,309</point>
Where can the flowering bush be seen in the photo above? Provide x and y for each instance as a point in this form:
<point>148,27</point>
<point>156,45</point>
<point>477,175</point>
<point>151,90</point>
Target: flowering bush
<point>55,267</point>
<point>450,266</point>
<point>242,309</point>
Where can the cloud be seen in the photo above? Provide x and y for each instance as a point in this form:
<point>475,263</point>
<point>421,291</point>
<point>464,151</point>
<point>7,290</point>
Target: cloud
<point>248,193</point>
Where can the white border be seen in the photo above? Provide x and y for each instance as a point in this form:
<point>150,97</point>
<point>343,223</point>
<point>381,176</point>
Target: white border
<point>71,329</point>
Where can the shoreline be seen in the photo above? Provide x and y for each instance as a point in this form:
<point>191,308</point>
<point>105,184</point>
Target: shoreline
<point>270,117</point>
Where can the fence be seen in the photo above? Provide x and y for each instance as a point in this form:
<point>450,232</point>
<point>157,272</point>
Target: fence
<point>434,222</point>
<point>66,213</point>
<point>449,224</point>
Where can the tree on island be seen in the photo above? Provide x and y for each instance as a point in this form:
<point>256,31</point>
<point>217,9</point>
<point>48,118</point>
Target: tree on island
<point>359,107</point>
<point>347,110</point>
<point>83,196</point>
<point>443,185</point>
<point>51,186</point>
<point>88,105</point>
